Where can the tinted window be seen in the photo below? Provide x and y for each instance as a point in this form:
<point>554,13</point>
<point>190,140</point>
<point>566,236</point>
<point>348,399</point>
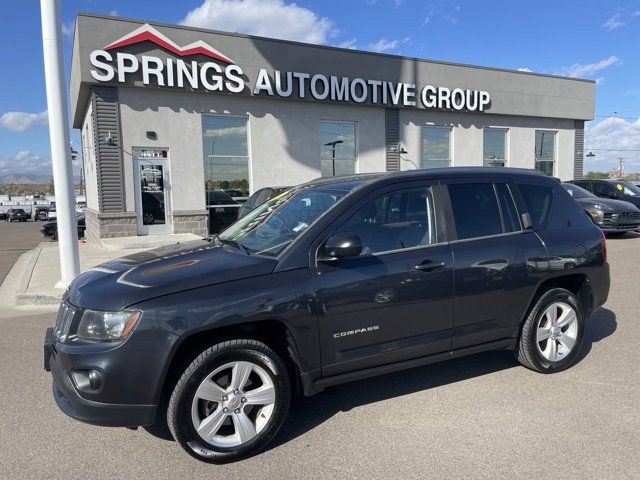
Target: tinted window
<point>538,200</point>
<point>508,208</point>
<point>475,210</point>
<point>396,220</point>
<point>264,195</point>
<point>577,192</point>
<point>603,188</point>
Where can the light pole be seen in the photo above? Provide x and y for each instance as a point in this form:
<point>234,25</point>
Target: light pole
<point>333,153</point>
<point>59,138</point>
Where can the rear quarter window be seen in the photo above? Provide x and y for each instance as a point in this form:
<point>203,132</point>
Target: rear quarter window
<point>538,200</point>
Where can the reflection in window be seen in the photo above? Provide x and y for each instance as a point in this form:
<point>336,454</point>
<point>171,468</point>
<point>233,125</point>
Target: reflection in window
<point>394,221</point>
<point>493,150</point>
<point>337,148</point>
<point>545,151</point>
<point>435,147</point>
<point>226,157</point>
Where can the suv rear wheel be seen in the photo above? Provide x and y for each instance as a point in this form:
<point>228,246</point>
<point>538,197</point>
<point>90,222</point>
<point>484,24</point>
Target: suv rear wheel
<point>230,402</point>
<point>551,336</point>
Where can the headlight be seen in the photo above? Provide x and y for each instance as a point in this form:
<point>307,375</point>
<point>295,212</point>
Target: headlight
<point>597,215</point>
<point>106,326</point>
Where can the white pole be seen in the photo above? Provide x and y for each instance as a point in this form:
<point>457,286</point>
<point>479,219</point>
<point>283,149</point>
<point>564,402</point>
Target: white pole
<point>60,144</point>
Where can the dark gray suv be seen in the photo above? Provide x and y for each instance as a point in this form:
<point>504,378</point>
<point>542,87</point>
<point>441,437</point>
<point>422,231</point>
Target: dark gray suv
<point>333,281</point>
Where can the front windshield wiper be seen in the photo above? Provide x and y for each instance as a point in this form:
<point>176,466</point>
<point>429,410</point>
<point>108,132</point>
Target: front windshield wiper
<point>233,243</point>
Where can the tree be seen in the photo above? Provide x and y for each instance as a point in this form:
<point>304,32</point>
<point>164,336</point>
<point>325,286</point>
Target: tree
<point>596,175</point>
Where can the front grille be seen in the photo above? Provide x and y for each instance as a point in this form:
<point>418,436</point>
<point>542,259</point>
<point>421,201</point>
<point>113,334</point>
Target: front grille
<point>66,313</point>
<point>630,216</point>
<point>621,221</point>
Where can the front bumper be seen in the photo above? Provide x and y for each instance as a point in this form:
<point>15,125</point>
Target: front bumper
<point>620,222</point>
<point>133,373</point>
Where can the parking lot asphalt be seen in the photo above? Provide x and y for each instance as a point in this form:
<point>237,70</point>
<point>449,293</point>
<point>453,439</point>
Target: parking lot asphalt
<point>15,239</point>
<point>482,416</point>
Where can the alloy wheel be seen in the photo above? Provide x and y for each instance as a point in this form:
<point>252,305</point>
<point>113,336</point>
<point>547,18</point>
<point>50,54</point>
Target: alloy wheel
<point>233,404</point>
<point>557,331</point>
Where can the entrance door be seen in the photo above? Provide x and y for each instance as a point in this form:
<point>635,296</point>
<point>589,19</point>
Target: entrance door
<point>151,169</point>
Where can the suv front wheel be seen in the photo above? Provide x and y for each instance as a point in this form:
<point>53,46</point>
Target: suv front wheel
<point>552,334</point>
<point>230,402</point>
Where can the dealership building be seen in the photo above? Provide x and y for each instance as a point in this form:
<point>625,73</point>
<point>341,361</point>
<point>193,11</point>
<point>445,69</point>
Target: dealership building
<point>177,123</point>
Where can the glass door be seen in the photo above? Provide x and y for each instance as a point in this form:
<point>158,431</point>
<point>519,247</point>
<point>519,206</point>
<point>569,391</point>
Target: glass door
<point>151,169</point>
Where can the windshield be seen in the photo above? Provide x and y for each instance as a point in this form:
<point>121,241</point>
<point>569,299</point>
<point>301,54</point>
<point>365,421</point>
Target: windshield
<point>576,191</point>
<point>272,226</point>
<point>629,189</point>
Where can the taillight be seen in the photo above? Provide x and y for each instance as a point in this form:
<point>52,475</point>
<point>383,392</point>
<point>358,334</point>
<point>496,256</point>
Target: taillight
<point>604,245</point>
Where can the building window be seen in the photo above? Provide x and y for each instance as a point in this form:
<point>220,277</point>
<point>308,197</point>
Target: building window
<point>226,154</point>
<point>494,147</point>
<point>436,147</point>
<point>338,151</point>
<point>545,151</point>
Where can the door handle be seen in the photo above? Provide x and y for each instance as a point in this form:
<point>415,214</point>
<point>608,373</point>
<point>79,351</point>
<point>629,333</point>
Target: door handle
<point>429,265</point>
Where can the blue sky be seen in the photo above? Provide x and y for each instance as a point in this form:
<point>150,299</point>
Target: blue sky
<point>588,38</point>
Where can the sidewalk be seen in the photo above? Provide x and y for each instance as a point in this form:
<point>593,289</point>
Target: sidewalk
<point>31,282</point>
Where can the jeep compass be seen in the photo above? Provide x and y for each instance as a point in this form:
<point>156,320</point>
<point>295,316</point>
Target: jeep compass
<point>329,282</point>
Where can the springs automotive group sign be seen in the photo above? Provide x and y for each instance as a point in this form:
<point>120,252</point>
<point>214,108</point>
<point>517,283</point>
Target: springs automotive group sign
<point>222,74</point>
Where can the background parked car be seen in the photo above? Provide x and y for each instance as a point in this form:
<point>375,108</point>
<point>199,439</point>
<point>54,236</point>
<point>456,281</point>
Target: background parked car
<point>17,215</point>
<point>3,214</point>
<point>615,217</point>
<point>52,214</point>
<point>614,189</point>
<point>221,214</point>
<point>258,198</point>
<point>41,213</point>
<point>50,229</point>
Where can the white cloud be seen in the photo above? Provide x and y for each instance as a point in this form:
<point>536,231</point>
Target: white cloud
<point>384,45</point>
<point>67,29</point>
<point>525,69</point>
<point>113,13</point>
<point>352,44</point>
<point>269,18</point>
<point>613,22</point>
<point>22,121</point>
<point>611,134</point>
<point>434,12</point>
<point>25,162</point>
<point>589,69</point>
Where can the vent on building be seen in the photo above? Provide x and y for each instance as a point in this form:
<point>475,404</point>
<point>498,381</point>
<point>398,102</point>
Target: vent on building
<point>392,138</point>
<point>578,162</point>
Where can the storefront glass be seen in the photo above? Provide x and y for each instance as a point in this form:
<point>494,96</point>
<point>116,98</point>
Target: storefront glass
<point>494,146</point>
<point>435,147</point>
<point>545,151</point>
<point>338,151</point>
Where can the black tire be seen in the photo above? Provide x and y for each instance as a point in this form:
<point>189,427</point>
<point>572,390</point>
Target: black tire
<point>54,237</point>
<point>179,417</point>
<point>527,351</point>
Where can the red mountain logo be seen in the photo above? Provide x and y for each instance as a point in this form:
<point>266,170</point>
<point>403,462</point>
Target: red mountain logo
<point>150,34</point>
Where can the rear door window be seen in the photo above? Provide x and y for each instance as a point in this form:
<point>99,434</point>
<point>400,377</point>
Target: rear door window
<point>538,200</point>
<point>475,210</point>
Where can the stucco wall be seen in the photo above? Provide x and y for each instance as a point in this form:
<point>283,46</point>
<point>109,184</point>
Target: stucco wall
<point>467,138</point>
<point>284,146</point>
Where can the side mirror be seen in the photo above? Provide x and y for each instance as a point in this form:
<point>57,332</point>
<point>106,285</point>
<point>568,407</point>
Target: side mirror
<point>342,245</point>
<point>614,195</point>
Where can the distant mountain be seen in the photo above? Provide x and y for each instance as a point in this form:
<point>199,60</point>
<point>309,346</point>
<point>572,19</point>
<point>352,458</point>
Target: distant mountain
<point>25,178</point>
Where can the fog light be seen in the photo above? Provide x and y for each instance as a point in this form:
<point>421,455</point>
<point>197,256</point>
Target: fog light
<point>87,380</point>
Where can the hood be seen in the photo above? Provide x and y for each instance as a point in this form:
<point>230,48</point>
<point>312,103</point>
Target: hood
<point>125,281</point>
<point>616,206</point>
